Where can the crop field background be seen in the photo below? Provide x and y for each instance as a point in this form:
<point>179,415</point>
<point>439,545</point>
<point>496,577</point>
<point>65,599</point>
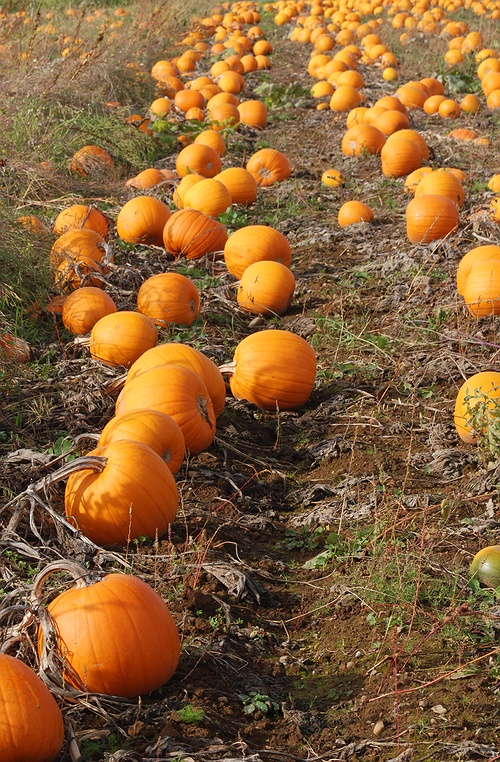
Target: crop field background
<point>318,568</point>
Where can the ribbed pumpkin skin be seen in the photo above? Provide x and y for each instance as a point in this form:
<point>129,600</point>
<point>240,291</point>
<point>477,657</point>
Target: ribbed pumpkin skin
<point>482,289</point>
<point>477,388</point>
<point>254,243</point>
<point>400,156</point>
<point>274,370</point>
<point>474,257</point>
<point>84,307</point>
<point>269,166</point>
<point>209,196</point>
<point>79,216</point>
<point>178,392</point>
<point>32,728</point>
<point>117,635</point>
<point>429,218</point>
<point>240,183</point>
<point>266,288</point>
<point>134,496</point>
<point>169,298</point>
<point>182,188</point>
<point>192,234</point>
<point>121,338</point>
<point>362,138</point>
<point>439,183</point>
<point>201,159</point>
<point>75,244</point>
<point>253,113</point>
<point>141,220</point>
<point>151,427</point>
<point>182,354</point>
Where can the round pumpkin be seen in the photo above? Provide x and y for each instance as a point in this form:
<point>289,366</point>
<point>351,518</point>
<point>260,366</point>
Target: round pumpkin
<point>116,635</point>
<point>169,298</point>
<point>80,216</point>
<point>253,113</point>
<point>199,159</point>
<point>32,728</point>
<point>148,178</point>
<point>141,220</point>
<point>362,139</point>
<point>175,353</point>
<point>268,166</point>
<point>84,307</point>
<point>481,291</point>
<point>485,566</point>
<point>478,396</point>
<point>91,161</point>
<point>473,257</point>
<point>77,243</point>
<point>151,427</point>
<point>266,288</point>
<point>274,370</point>
<point>352,212</point>
<point>429,218</point>
<point>192,234</point>
<point>439,183</point>
<point>182,188</point>
<point>254,243</point>
<point>212,138</point>
<point>71,274</point>
<point>400,156</point>
<point>135,495</point>
<point>209,196</point>
<point>240,183</point>
<point>121,337</point>
<point>179,392</point>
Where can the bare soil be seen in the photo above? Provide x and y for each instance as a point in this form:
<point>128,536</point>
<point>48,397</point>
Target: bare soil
<point>378,649</point>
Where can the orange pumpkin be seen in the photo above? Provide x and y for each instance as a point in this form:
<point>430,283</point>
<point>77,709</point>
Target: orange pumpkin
<point>241,185</point>
<point>84,307</point>
<point>122,337</point>
<point>473,257</point>
<point>80,216</point>
<point>192,234</point>
<point>141,220</point>
<point>481,291</point>
<point>199,159</point>
<point>148,178</point>
<point>75,244</point>
<point>361,139</point>
<point>185,184</point>
<point>169,298</point>
<point>179,392</point>
<point>116,634</point>
<point>478,394</point>
<point>253,113</point>
<point>91,161</point>
<point>175,353</point>
<point>266,288</point>
<point>352,212</point>
<point>429,218</point>
<point>345,98</point>
<point>274,370</point>
<point>268,166</point>
<point>32,726</point>
<point>151,427</point>
<point>254,243</point>
<point>441,184</point>
<point>400,156</point>
<point>212,138</point>
<point>210,196</point>
<point>71,273</point>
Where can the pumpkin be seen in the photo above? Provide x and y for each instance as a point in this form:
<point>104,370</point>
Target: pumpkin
<point>32,727</point>
<point>494,183</point>
<point>352,212</point>
<point>160,107</point>
<point>91,161</point>
<point>362,139</point>
<point>439,183</point>
<point>332,178</point>
<point>266,288</point>
<point>169,298</point>
<point>413,179</point>
<point>212,138</point>
<point>400,156</point>
<point>470,104</point>
<point>253,113</point>
<point>209,196</point>
<point>240,183</point>
<point>199,159</point>
<point>84,307</point>
<point>449,109</point>
<point>485,566</point>
<point>186,99</point>
<point>192,234</point>
<point>416,137</point>
<point>179,392</point>
<point>253,243</point>
<point>80,216</point>
<point>176,353</point>
<point>14,349</point>
<point>121,337</point>
<point>429,218</point>
<point>185,184</point>
<point>116,635</point>
<point>148,178</point>
<point>268,166</point>
<point>272,369</point>
<point>141,220</point>
<point>77,243</point>
<point>223,115</point>
<point>481,291</point>
<point>345,98</point>
<point>71,274</point>
<point>473,257</point>
<point>432,104</point>
<point>494,209</point>
<point>391,121</point>
<point>151,427</point>
<point>478,397</point>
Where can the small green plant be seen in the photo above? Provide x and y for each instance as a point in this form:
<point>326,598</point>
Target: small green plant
<point>484,418</point>
<point>254,701</point>
<point>189,714</point>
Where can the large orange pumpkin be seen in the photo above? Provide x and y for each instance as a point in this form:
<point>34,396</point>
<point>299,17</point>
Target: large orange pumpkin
<point>77,243</point>
<point>268,166</point>
<point>116,635</point>
<point>400,156</point>
<point>179,392</point>
<point>84,307</point>
<point>275,370</point>
<point>478,394</point>
<point>135,495</point>
<point>253,243</point>
<point>121,337</point>
<point>142,219</point>
<point>361,139</point>
<point>32,727</point>
<point>473,257</point>
<point>266,288</point>
<point>169,298</point>
<point>429,218</point>
<point>198,158</point>
<point>151,427</point>
<point>481,291</point>
<point>192,234</point>
<point>209,196</point>
<point>439,183</point>
<point>240,183</point>
<point>80,216</point>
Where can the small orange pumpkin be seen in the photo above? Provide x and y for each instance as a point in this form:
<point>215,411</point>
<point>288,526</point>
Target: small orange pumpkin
<point>121,338</point>
<point>142,219</point>
<point>268,166</point>
<point>91,161</point>
<point>84,307</point>
<point>429,218</point>
<point>266,288</point>
<point>169,298</point>
<point>352,212</point>
<point>254,243</point>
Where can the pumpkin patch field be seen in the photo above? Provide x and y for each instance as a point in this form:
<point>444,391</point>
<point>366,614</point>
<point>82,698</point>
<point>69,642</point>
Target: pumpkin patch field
<point>250,381</point>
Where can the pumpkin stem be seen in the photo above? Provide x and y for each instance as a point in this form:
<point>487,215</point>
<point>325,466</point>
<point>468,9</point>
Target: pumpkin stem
<point>229,368</point>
